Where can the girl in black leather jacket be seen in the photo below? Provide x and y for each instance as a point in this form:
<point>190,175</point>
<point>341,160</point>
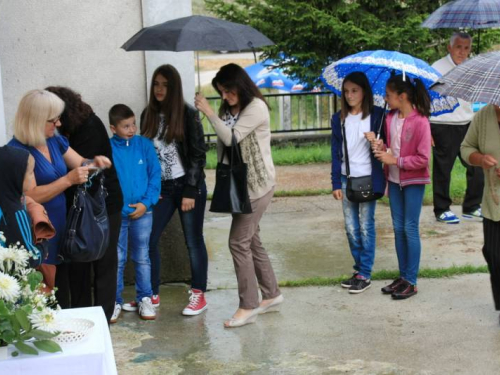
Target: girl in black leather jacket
<point>176,131</point>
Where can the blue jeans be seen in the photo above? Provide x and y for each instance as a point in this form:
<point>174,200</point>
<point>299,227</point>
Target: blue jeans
<point>406,205</point>
<point>137,232</point>
<point>360,229</point>
<point>192,226</point>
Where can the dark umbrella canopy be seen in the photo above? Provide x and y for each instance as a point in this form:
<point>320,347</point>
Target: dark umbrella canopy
<point>197,33</point>
<point>470,14</point>
<point>466,14</point>
<point>476,80</point>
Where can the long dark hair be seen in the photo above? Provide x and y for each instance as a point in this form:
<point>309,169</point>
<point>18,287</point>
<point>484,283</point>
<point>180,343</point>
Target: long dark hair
<point>76,111</point>
<point>234,78</point>
<point>358,78</point>
<point>415,90</point>
<point>172,107</point>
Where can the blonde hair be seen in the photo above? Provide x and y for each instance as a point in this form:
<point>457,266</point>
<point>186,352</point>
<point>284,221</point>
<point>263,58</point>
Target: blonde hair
<point>34,110</point>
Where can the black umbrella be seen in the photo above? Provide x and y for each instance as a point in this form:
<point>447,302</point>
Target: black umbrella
<point>197,33</point>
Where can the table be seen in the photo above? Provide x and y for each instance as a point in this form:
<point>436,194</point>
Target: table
<point>92,356</point>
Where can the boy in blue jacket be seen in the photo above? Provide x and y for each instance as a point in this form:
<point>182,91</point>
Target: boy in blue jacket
<point>139,173</point>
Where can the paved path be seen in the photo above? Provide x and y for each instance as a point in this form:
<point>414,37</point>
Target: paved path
<point>449,327</point>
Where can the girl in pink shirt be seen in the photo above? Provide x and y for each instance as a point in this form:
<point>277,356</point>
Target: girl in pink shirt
<point>406,158</point>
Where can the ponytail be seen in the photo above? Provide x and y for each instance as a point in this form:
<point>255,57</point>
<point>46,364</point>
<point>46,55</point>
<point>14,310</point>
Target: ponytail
<point>422,101</point>
<point>415,90</point>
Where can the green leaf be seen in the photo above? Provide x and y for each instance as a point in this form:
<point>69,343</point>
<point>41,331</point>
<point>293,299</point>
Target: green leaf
<point>34,279</point>
<point>48,346</point>
<point>8,336</point>
<point>26,349</point>
<point>3,309</point>
<point>15,353</point>
<point>42,335</point>
<point>16,327</point>
<point>22,318</point>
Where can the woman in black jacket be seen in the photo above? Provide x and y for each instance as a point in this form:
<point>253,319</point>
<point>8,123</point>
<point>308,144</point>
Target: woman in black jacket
<point>87,135</point>
<point>177,134</point>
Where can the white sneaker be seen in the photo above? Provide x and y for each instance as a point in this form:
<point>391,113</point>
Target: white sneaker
<point>476,215</point>
<point>146,309</point>
<point>130,306</point>
<point>116,313</point>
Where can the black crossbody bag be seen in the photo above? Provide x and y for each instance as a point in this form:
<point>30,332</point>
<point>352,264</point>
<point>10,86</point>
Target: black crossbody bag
<point>358,189</point>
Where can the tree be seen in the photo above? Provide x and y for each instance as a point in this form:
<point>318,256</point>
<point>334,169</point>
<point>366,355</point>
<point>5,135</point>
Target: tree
<point>310,34</point>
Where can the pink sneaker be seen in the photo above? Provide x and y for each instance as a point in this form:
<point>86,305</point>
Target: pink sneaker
<point>197,303</point>
<point>155,299</point>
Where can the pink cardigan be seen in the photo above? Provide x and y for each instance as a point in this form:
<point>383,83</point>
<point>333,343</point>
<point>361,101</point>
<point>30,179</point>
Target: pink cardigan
<point>415,152</point>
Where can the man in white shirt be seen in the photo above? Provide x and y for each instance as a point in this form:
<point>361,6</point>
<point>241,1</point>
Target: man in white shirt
<point>448,132</point>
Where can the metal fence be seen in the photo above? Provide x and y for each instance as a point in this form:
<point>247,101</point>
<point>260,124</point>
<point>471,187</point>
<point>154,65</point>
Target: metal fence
<point>300,113</point>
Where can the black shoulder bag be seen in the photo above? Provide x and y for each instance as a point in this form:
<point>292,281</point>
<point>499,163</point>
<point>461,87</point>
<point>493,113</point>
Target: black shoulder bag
<point>86,236</point>
<point>231,188</point>
<point>358,189</point>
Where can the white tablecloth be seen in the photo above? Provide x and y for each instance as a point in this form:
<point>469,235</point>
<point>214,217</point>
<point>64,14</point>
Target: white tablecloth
<point>91,356</point>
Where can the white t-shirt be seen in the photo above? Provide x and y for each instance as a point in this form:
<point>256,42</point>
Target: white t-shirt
<point>463,114</point>
<point>171,166</point>
<point>358,147</point>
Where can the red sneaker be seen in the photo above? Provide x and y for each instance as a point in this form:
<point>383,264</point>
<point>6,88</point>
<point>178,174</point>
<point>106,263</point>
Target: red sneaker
<point>155,300</point>
<point>197,303</point>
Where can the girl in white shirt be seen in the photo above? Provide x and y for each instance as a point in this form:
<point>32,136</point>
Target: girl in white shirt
<point>359,116</point>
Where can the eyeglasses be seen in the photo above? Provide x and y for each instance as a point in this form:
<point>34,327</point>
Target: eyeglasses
<point>54,121</point>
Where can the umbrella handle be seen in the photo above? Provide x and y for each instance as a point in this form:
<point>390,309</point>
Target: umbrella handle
<point>381,122</point>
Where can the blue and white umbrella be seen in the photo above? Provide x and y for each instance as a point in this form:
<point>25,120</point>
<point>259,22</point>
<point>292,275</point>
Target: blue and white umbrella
<point>266,75</point>
<point>378,67</point>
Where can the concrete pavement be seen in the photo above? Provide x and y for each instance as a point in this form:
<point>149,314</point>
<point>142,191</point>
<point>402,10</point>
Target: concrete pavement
<point>450,327</point>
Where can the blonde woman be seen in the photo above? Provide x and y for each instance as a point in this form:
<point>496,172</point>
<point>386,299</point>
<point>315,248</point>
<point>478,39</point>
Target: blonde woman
<point>57,167</point>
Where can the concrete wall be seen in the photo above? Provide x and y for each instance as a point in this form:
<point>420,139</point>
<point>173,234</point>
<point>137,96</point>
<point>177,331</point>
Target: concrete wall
<point>71,43</point>
<point>3,130</point>
<point>77,44</point>
<point>173,251</point>
<point>155,12</point>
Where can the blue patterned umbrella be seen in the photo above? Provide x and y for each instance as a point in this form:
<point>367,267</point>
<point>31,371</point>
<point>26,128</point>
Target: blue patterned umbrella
<point>266,75</point>
<point>378,67</point>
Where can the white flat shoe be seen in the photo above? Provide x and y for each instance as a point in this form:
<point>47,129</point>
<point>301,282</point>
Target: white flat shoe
<point>273,306</point>
<point>251,318</point>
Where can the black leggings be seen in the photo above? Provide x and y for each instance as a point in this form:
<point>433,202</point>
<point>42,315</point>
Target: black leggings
<point>491,252</point>
<point>74,280</point>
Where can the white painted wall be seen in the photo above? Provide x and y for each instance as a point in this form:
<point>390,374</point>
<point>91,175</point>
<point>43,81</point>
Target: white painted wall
<point>155,12</point>
<point>3,130</point>
<point>75,44</point>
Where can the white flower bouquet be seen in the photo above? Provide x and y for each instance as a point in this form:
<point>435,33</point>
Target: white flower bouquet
<point>27,313</point>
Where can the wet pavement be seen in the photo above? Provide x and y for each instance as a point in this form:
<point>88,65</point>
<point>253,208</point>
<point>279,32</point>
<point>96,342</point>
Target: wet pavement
<point>449,327</point>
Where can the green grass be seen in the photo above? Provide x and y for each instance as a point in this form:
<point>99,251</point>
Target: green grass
<point>293,193</point>
<point>320,153</point>
<point>288,155</point>
<point>426,273</point>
